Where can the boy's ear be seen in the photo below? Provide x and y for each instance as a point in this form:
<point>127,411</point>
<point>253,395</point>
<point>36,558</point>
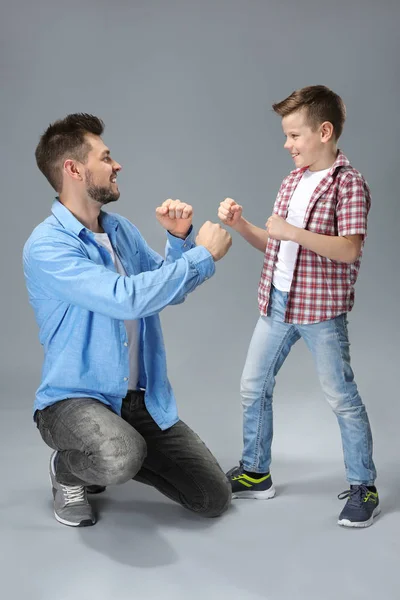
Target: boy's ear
<point>327,132</point>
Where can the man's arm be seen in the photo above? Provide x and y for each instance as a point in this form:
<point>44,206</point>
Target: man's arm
<point>174,250</point>
<point>62,271</point>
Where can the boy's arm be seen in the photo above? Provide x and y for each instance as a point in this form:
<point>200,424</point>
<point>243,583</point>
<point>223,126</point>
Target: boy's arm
<point>254,235</point>
<point>230,213</point>
<point>339,248</point>
<point>351,212</point>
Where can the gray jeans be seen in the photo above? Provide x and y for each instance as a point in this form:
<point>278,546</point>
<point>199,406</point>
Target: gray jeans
<point>98,447</point>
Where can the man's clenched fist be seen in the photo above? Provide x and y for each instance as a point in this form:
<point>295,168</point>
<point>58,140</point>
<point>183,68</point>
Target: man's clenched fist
<point>216,239</point>
<point>175,216</point>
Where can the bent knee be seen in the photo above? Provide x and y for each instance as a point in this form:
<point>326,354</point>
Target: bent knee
<point>120,458</point>
<point>217,498</point>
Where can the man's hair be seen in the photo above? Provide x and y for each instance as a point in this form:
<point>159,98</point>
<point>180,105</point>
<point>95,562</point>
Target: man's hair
<point>320,103</point>
<point>64,139</point>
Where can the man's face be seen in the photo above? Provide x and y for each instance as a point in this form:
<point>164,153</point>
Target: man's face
<point>304,144</point>
<point>101,172</point>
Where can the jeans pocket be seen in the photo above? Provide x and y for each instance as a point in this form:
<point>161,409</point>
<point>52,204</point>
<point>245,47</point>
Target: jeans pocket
<point>342,332</point>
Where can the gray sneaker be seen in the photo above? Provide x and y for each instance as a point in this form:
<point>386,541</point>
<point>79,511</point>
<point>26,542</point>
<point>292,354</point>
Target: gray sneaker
<point>71,506</point>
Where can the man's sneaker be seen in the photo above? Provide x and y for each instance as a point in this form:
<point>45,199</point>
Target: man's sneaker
<point>71,506</point>
<point>244,486</point>
<point>361,508</point>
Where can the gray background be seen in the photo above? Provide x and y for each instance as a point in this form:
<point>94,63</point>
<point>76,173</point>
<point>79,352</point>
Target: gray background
<point>185,89</point>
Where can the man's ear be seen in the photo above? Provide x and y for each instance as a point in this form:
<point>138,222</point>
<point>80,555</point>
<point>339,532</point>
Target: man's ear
<point>73,169</point>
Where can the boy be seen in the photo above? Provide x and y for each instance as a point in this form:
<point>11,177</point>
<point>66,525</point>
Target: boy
<point>313,245</point>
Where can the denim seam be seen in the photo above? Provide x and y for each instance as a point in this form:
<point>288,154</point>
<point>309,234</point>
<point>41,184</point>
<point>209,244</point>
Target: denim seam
<point>83,451</point>
<point>206,498</point>
<point>263,396</point>
<point>337,333</point>
<point>138,402</point>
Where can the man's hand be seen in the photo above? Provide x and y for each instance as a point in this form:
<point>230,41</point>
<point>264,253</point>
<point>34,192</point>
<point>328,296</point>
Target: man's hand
<point>216,239</point>
<point>279,229</point>
<point>175,216</point>
<point>230,212</point>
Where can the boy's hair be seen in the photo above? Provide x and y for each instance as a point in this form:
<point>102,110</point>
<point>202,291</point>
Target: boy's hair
<point>63,139</point>
<point>320,103</point>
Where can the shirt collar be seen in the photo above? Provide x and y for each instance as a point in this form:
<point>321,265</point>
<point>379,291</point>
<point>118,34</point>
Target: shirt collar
<point>341,161</point>
<point>108,222</point>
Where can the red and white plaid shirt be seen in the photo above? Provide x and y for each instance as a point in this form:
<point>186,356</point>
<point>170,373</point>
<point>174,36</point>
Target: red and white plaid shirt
<point>321,288</point>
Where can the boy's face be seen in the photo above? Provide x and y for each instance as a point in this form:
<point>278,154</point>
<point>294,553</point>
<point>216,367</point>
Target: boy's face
<point>304,144</point>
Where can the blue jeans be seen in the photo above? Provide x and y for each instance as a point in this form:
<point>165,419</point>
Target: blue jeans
<point>329,344</point>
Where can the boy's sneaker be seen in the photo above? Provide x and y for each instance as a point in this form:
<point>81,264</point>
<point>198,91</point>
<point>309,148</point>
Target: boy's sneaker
<point>71,506</point>
<point>361,508</point>
<point>244,486</point>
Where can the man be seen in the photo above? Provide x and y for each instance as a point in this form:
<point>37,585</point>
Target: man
<point>105,404</point>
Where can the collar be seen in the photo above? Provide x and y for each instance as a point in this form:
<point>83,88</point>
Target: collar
<point>108,222</point>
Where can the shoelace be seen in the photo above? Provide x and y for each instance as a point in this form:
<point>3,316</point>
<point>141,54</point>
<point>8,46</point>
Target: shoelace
<point>73,494</point>
<point>357,495</point>
<point>235,473</point>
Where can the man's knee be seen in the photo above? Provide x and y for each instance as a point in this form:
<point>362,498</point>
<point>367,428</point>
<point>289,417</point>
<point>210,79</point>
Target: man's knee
<point>120,458</point>
<point>217,498</point>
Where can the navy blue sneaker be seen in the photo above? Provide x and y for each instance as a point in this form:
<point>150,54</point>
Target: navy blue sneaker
<point>361,508</point>
<point>244,486</point>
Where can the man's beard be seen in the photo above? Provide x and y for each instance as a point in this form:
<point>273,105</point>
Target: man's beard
<point>101,194</point>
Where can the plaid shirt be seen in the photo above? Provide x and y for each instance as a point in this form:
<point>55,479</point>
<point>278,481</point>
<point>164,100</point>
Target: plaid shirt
<point>321,288</point>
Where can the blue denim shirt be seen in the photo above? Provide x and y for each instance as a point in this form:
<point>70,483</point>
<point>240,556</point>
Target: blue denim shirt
<point>81,302</point>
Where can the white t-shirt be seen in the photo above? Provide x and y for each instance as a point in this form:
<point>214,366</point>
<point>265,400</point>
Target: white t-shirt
<point>132,326</point>
<point>287,255</point>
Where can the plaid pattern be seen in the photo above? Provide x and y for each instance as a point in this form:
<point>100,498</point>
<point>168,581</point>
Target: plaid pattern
<point>321,288</point>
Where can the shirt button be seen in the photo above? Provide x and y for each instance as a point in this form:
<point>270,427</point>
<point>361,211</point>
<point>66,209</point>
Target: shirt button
<point>125,379</point>
<point>125,343</point>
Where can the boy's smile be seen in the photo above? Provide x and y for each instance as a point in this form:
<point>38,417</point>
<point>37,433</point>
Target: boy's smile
<point>307,146</point>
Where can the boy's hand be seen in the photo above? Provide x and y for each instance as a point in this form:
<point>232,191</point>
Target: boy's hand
<point>279,229</point>
<point>175,216</point>
<point>230,212</point>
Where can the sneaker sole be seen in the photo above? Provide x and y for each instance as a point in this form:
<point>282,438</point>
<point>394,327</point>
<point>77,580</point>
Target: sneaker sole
<point>84,523</point>
<point>360,525</point>
<point>256,495</point>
